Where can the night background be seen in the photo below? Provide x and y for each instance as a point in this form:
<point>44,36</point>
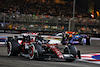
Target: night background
<point>59,13</point>
<point>84,4</point>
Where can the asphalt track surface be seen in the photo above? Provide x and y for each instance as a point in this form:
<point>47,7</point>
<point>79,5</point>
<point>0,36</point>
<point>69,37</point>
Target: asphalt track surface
<point>17,61</point>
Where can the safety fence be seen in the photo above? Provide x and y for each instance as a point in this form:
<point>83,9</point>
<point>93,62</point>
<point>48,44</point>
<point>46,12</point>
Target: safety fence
<point>48,23</point>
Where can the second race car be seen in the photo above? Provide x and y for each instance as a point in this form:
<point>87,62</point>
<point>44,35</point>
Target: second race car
<point>74,38</point>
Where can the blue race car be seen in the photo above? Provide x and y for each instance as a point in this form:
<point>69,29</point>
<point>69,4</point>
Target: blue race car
<point>76,39</point>
<point>80,39</point>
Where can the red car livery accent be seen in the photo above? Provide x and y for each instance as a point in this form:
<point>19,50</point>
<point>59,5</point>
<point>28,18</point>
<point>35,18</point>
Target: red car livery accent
<point>59,54</point>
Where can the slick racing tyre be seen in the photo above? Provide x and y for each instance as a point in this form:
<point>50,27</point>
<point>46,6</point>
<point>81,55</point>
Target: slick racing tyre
<point>12,48</point>
<point>88,41</point>
<point>39,49</point>
<point>73,51</point>
<point>32,52</point>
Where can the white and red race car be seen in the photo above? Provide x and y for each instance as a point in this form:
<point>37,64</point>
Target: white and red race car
<point>35,47</point>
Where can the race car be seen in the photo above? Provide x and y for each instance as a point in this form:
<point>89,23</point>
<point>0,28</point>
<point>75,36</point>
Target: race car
<point>36,48</point>
<point>74,38</point>
<point>80,39</point>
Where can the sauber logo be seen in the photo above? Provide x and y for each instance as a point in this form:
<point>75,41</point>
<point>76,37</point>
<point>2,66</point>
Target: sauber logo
<point>59,54</point>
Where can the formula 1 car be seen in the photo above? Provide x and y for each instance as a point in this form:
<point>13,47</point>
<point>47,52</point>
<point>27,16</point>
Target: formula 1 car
<point>80,39</point>
<point>74,38</point>
<point>36,48</point>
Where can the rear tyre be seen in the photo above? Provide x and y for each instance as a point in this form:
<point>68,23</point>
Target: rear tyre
<point>12,48</point>
<point>88,41</point>
<point>9,48</point>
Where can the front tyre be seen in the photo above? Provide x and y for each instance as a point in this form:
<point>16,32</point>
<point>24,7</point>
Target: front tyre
<point>73,51</point>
